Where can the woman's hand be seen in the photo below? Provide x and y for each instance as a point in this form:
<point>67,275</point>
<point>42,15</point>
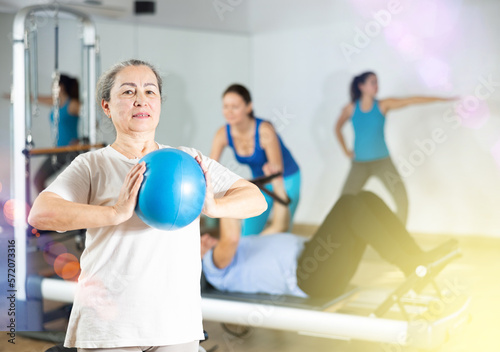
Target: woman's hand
<point>124,207</point>
<point>273,169</point>
<point>207,242</point>
<point>350,154</point>
<point>270,169</point>
<point>242,200</point>
<point>210,205</point>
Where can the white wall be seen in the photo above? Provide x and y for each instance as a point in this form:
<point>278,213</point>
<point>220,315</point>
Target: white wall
<point>299,76</point>
<point>444,48</point>
<point>196,67</point>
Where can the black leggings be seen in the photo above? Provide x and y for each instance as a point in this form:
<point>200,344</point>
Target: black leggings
<point>331,258</point>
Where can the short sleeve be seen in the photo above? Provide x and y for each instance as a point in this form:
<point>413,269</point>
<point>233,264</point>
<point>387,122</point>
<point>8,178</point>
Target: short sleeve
<point>73,184</point>
<point>222,178</point>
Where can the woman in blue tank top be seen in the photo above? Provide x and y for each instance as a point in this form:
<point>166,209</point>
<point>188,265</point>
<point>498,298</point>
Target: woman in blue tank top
<point>67,128</point>
<point>370,156</point>
<point>255,143</point>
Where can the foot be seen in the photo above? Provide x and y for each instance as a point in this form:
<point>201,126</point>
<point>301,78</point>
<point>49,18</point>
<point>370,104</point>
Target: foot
<point>439,252</point>
<point>430,256</point>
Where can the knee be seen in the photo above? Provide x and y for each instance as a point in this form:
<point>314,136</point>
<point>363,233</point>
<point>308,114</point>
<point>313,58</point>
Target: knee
<point>346,198</point>
<point>350,202</point>
<point>371,199</point>
<point>367,195</point>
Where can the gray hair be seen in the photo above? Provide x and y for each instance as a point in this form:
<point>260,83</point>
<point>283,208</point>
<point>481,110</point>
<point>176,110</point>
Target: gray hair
<point>108,78</point>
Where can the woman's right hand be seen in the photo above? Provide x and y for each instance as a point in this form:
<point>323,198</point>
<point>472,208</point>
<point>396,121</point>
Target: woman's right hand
<point>124,207</point>
<point>350,154</point>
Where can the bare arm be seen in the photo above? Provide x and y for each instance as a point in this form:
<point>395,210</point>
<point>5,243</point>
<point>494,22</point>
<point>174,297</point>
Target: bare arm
<point>74,107</point>
<point>227,245</point>
<point>345,115</point>
<point>396,103</point>
<point>52,212</point>
<point>242,200</point>
<point>281,213</point>
<point>42,99</point>
<point>218,144</point>
<point>270,143</point>
<point>230,229</point>
<point>46,100</point>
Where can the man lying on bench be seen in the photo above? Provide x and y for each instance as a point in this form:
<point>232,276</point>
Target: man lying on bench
<point>286,264</point>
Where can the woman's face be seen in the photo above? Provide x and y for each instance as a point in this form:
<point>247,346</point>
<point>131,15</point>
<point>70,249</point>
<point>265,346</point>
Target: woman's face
<point>370,86</point>
<point>135,102</point>
<point>235,109</point>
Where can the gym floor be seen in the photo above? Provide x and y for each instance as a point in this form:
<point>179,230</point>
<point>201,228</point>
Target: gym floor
<point>475,274</point>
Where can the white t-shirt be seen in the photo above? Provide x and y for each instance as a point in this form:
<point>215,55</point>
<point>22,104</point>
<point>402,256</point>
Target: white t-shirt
<point>138,286</point>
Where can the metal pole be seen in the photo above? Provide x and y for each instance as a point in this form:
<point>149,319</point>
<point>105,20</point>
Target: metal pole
<point>89,42</point>
<point>20,101</point>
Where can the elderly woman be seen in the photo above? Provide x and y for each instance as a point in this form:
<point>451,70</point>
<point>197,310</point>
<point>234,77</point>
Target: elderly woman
<point>139,286</point>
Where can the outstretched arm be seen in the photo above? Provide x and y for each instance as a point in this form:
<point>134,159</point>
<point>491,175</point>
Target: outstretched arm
<point>46,100</point>
<point>345,115</point>
<point>42,99</point>
<point>396,103</point>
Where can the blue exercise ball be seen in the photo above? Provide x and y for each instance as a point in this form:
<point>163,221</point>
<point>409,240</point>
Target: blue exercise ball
<point>172,193</point>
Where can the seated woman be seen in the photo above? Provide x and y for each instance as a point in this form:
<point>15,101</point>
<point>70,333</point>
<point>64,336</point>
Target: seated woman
<point>256,143</point>
<point>287,264</point>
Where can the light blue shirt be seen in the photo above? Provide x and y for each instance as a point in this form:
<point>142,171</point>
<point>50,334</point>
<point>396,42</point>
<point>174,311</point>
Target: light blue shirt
<point>262,264</point>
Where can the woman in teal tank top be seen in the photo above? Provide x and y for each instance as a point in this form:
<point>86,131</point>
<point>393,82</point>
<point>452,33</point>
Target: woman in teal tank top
<point>370,156</point>
<point>256,144</point>
<point>67,128</point>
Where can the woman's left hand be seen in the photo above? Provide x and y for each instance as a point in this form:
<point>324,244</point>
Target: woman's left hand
<point>270,169</point>
<point>210,205</point>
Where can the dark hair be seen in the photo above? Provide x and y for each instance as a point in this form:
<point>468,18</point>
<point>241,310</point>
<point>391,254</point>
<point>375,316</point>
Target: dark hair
<point>107,79</point>
<point>357,80</point>
<point>242,92</point>
<point>70,85</point>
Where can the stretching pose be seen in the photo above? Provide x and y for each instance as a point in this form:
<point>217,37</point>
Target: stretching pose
<point>370,156</point>
<point>284,263</point>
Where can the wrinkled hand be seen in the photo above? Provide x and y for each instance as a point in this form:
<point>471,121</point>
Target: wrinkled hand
<point>210,205</point>
<point>127,199</point>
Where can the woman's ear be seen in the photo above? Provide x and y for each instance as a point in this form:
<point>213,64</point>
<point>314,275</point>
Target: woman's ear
<point>105,107</point>
<point>249,108</point>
